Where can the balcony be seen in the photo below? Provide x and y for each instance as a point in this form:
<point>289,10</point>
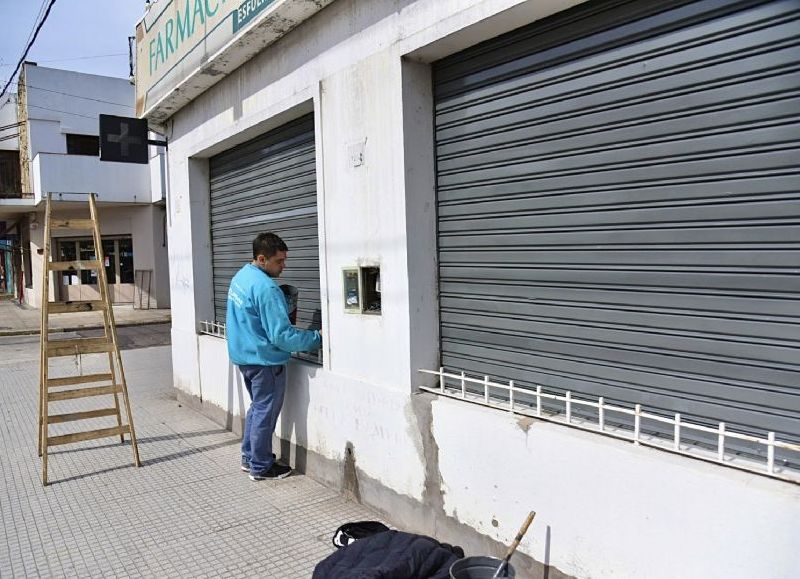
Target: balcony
<point>112,182</point>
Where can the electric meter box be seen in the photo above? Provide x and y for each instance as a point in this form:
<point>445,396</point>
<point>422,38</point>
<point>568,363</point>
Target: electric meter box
<point>362,289</point>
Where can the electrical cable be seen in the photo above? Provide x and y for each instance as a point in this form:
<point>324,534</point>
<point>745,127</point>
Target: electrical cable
<point>88,57</point>
<point>63,112</point>
<point>28,47</point>
<point>11,126</point>
<point>27,86</point>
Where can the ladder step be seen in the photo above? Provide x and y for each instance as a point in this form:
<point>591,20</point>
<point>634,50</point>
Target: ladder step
<point>88,435</point>
<point>58,418</point>
<point>75,306</point>
<point>67,265</point>
<point>83,392</point>
<point>72,380</point>
<point>71,223</point>
<point>78,346</point>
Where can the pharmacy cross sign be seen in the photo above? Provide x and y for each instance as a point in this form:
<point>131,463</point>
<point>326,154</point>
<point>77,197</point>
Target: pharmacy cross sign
<point>123,139</point>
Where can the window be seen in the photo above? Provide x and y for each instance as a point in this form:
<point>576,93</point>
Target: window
<point>68,251</point>
<point>10,184</point>
<point>83,145</point>
<point>126,260</point>
<point>86,249</point>
<point>117,255</point>
<point>110,256</point>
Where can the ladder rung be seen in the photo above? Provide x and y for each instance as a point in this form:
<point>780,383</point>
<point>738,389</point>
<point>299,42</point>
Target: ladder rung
<point>83,392</point>
<point>71,380</point>
<point>78,346</point>
<point>88,435</point>
<point>80,264</point>
<point>76,306</point>
<point>71,223</point>
<point>58,418</point>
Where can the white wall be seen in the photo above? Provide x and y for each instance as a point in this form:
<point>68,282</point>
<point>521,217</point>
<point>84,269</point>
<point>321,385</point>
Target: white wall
<point>8,116</point>
<point>61,102</point>
<point>73,100</point>
<point>606,508</point>
<point>150,251</point>
<point>113,182</point>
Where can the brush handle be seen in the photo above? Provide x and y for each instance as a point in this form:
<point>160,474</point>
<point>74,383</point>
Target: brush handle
<point>521,533</point>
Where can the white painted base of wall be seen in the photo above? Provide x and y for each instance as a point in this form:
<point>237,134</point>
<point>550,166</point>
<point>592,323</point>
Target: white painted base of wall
<point>605,508</point>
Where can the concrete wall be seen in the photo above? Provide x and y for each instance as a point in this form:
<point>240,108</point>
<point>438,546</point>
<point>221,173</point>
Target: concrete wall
<point>113,182</point>
<point>61,102</point>
<point>8,116</point>
<point>73,100</point>
<point>150,250</point>
<point>462,473</point>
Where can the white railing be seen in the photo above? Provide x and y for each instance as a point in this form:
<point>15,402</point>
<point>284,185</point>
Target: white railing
<point>212,328</point>
<point>457,388</point>
<point>217,330</point>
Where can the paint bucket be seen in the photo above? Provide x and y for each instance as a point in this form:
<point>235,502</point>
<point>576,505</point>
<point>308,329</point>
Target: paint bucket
<point>290,293</point>
<point>479,568</point>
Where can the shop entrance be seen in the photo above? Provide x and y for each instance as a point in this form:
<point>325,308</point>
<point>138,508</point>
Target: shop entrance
<point>82,285</point>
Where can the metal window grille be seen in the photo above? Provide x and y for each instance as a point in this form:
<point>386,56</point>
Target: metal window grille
<point>505,396</point>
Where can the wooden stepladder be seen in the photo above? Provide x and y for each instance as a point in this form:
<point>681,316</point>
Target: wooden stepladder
<point>114,379</point>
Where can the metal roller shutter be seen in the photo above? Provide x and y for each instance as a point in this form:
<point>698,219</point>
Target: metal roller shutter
<point>268,184</point>
<point>618,199</point>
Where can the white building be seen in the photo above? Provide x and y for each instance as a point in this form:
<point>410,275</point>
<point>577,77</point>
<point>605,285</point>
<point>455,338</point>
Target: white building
<point>598,199</point>
<point>10,188</point>
<point>58,153</point>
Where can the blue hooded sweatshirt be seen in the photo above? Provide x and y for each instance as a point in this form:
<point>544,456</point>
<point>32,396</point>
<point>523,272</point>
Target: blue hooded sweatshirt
<point>257,326</point>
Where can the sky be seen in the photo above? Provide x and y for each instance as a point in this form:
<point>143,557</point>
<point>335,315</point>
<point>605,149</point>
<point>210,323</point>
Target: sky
<point>81,35</point>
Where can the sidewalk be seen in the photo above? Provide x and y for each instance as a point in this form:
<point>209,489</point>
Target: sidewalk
<point>187,512</point>
<point>16,320</point>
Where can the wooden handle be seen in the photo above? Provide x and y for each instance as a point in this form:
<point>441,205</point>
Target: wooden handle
<point>521,533</point>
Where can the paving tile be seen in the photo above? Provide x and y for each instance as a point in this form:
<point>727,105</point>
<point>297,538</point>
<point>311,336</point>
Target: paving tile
<point>188,511</point>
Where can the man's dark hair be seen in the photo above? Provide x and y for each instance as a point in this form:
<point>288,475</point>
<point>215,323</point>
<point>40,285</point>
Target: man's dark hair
<point>268,244</point>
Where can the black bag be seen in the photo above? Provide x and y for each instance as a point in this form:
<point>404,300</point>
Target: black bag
<point>351,532</point>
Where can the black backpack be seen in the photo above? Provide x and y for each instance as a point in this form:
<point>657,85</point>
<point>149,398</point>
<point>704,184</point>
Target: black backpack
<point>351,532</point>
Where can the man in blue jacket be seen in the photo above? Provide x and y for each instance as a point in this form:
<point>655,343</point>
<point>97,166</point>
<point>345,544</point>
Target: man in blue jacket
<point>260,341</point>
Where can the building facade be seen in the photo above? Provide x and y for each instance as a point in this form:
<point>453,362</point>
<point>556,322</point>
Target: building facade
<point>58,147</point>
<point>552,247</point>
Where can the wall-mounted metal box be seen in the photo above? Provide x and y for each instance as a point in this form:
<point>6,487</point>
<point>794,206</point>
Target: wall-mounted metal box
<point>362,289</point>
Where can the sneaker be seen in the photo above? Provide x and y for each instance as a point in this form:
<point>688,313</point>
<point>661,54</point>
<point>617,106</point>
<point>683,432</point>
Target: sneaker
<point>246,465</point>
<point>275,472</point>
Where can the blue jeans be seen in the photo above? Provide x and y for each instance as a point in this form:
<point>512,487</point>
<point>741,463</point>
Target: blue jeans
<point>266,386</point>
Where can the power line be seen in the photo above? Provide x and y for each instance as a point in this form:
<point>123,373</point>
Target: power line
<point>35,21</point>
<point>75,95</point>
<point>63,112</point>
<point>88,57</point>
<point>28,47</point>
<point>11,126</point>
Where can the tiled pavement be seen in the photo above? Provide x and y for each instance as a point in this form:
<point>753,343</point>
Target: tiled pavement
<point>21,320</point>
<point>187,512</point>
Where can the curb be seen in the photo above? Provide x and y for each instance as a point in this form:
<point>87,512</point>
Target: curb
<point>36,332</point>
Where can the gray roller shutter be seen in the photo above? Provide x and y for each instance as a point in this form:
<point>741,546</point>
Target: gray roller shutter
<point>618,208</point>
<point>268,184</point>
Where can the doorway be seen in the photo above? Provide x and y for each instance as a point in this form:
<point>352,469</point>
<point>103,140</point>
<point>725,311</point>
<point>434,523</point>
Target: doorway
<point>83,285</point>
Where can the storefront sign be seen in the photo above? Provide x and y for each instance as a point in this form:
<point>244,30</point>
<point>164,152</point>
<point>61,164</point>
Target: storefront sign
<point>181,39</point>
